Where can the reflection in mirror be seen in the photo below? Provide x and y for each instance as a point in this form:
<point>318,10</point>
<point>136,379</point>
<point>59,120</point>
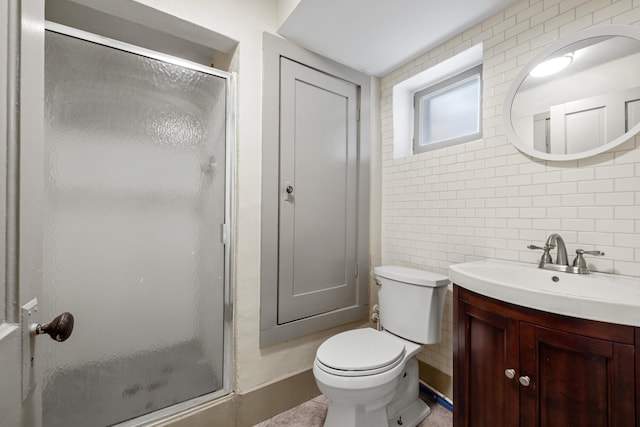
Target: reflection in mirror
<point>582,106</point>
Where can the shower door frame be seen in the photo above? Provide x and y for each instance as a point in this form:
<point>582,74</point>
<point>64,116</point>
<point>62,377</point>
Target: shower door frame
<point>226,229</point>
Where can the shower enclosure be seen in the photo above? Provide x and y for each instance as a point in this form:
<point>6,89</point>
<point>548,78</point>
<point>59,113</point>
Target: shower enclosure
<point>136,219</point>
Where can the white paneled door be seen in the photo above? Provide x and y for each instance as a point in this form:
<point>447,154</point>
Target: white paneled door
<point>318,192</point>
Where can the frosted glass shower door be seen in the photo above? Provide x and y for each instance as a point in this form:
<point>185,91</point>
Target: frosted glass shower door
<point>134,206</point>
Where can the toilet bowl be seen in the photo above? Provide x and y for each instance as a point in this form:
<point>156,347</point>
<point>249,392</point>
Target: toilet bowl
<point>370,377</point>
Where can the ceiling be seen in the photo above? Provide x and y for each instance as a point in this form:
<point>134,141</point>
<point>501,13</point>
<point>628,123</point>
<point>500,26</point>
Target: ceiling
<point>377,36</point>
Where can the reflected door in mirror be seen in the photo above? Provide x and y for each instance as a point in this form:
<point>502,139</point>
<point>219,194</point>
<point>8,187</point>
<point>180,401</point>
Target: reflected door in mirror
<point>585,108</point>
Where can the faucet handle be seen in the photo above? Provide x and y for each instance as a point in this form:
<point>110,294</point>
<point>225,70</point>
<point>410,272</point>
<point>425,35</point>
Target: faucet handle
<point>582,251</point>
<point>546,256</point>
<point>580,262</point>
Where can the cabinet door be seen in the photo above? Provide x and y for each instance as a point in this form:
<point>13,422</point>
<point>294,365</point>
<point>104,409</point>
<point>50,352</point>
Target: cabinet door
<point>575,380</point>
<point>486,346</point>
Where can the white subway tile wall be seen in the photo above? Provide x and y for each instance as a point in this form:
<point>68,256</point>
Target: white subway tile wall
<point>486,199</point>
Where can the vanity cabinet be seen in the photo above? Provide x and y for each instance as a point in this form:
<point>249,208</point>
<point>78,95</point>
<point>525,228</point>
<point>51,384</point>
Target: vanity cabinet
<point>515,366</point>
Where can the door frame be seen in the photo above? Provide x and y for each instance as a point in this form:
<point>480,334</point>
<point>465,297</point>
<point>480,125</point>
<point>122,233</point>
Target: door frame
<point>271,332</point>
<point>21,200</point>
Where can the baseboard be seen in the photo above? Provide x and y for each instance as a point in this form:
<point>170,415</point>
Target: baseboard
<point>436,379</point>
<point>265,402</point>
<point>246,410</point>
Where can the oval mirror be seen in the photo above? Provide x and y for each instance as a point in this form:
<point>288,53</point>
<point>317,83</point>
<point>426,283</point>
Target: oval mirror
<point>578,97</point>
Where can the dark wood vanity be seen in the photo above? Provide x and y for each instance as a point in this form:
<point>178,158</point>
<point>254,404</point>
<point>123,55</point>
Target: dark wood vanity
<point>516,366</point>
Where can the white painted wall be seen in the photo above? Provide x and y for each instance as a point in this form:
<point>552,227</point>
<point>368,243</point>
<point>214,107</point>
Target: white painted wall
<point>486,199</point>
<point>284,9</point>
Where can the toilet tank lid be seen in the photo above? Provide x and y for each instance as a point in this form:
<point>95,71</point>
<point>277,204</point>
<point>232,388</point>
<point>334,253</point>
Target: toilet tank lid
<point>411,275</point>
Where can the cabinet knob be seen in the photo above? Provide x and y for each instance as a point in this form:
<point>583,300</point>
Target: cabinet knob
<point>525,380</point>
<point>510,373</point>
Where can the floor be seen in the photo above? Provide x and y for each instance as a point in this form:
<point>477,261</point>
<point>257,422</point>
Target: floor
<point>313,412</point>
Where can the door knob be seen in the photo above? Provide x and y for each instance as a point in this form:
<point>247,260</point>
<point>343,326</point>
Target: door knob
<point>58,329</point>
<point>525,381</point>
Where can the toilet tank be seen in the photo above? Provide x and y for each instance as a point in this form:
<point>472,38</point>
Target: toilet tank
<point>411,302</point>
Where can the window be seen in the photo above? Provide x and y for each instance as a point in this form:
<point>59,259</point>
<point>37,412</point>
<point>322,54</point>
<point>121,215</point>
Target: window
<point>449,112</point>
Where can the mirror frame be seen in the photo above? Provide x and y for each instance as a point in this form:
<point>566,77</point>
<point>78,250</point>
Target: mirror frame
<point>605,30</point>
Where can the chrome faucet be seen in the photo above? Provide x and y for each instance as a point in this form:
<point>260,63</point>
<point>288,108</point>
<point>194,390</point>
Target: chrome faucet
<point>562,261</point>
<point>561,252</point>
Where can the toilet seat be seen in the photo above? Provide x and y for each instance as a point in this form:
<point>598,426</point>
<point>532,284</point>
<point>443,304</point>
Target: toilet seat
<point>360,352</point>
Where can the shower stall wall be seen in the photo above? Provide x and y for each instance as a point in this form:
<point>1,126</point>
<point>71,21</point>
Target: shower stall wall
<point>137,208</point>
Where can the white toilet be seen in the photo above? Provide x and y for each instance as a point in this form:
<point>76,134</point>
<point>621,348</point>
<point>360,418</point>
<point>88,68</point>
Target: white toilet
<point>371,377</point>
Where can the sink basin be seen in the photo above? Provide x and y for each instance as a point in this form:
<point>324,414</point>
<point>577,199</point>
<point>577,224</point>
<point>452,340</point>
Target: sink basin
<point>596,296</point>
